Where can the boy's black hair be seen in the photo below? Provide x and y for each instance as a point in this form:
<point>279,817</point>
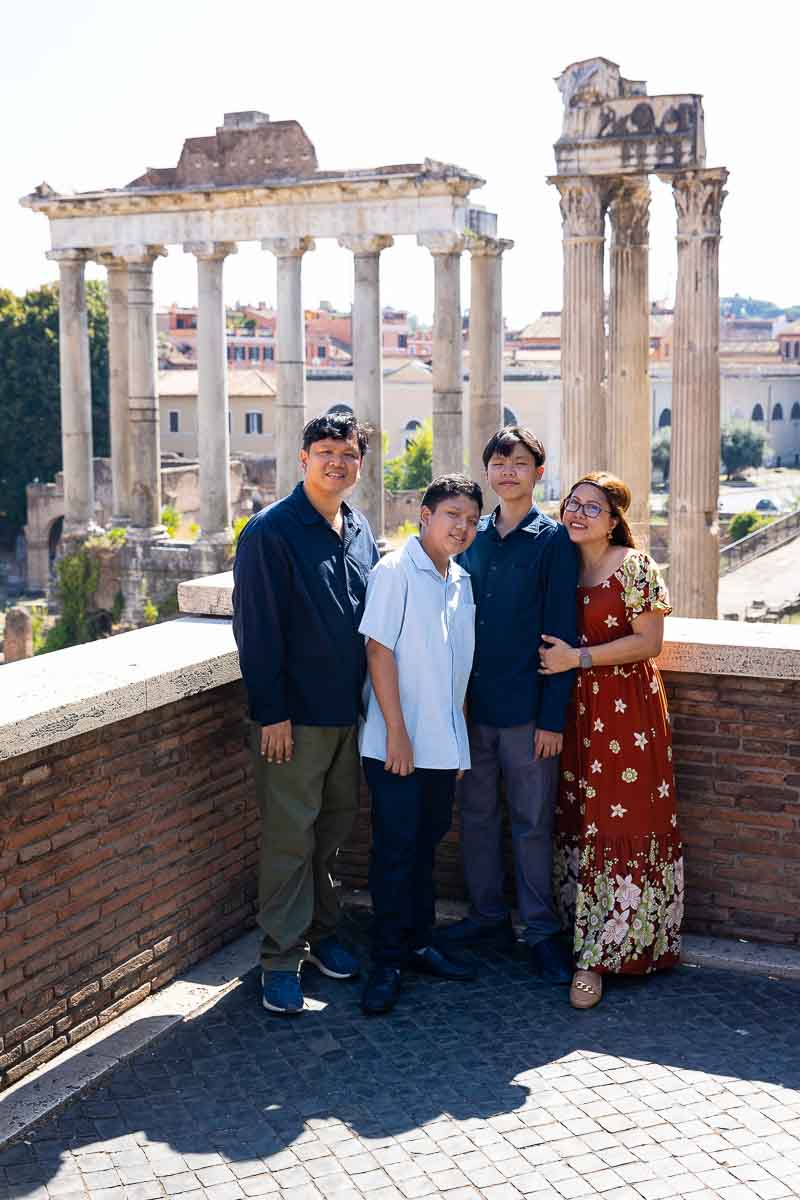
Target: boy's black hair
<point>341,426</point>
<point>506,440</point>
<point>446,486</point>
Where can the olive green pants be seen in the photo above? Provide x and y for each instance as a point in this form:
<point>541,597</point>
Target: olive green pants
<point>308,807</point>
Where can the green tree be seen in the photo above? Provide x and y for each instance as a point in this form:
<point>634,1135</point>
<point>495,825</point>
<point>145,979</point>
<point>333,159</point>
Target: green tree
<point>741,447</point>
<point>413,469</point>
<point>744,523</point>
<point>661,452</point>
<point>30,411</point>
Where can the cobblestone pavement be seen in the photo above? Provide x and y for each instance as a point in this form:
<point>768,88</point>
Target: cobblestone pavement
<point>686,1084</point>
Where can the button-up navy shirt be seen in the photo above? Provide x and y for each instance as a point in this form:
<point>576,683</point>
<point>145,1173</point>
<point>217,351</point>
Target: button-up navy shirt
<point>298,599</point>
<point>524,585</point>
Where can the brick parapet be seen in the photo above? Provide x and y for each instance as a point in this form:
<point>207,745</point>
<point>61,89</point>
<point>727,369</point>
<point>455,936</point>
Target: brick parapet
<point>130,851</point>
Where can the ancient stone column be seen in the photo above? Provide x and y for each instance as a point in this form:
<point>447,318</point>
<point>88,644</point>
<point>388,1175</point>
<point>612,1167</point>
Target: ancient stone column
<point>368,367</point>
<point>583,400</point>
<point>448,372</point>
<point>694,469</point>
<point>76,392</point>
<point>485,415</point>
<point>143,390</point>
<point>213,436</point>
<point>290,404</point>
<point>18,635</point>
<point>118,406</point>
<point>629,349</point>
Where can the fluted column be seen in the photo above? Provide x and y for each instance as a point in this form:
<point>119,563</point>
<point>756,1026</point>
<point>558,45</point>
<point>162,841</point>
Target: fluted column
<point>368,367</point>
<point>290,405</point>
<point>485,415</point>
<point>583,398</point>
<point>118,406</point>
<point>143,389</point>
<point>629,349</point>
<point>213,436</point>
<point>448,371</point>
<point>694,469</point>
<point>75,391</point>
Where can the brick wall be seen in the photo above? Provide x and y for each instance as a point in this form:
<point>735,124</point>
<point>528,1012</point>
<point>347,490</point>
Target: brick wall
<point>737,754</point>
<point>128,853</point>
<point>125,854</point>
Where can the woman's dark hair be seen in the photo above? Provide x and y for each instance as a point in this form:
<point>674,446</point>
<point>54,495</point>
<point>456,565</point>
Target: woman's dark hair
<point>341,426</point>
<point>505,441</point>
<point>446,486</point>
<point>618,495</point>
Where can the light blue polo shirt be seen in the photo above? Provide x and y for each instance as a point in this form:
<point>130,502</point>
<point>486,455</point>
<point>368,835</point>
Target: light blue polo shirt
<point>429,624</point>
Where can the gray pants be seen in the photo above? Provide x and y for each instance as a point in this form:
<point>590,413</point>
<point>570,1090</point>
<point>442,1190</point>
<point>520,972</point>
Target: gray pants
<point>530,789</point>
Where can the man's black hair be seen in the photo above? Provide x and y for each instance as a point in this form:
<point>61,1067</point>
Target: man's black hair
<point>505,441</point>
<point>446,486</point>
<point>341,426</point>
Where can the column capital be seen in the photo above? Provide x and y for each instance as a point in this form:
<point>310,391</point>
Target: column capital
<point>288,247</point>
<point>584,199</point>
<point>70,256</point>
<point>629,209</point>
<point>699,196</point>
<point>442,241</point>
<point>138,254</point>
<point>366,243</point>
<point>488,247</point>
<point>210,250</point>
<point>109,260</point>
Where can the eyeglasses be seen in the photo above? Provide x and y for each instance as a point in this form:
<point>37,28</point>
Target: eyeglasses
<point>590,509</point>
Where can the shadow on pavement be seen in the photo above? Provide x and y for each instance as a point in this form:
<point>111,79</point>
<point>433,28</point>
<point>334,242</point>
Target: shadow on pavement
<point>239,1083</point>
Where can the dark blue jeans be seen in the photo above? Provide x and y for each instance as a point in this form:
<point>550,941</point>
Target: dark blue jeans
<point>410,816</point>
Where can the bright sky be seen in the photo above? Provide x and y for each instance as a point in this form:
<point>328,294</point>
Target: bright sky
<point>97,91</point>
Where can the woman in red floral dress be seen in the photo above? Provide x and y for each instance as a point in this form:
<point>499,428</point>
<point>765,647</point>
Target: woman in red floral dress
<point>618,860</point>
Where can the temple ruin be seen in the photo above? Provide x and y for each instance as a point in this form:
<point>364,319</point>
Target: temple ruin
<point>614,136</point>
<point>257,180</point>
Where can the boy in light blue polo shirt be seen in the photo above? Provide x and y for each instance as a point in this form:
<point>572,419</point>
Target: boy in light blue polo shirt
<point>419,622</point>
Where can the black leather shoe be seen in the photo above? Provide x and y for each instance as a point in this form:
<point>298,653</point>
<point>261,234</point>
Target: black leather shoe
<point>381,991</point>
<point>431,961</point>
<point>552,961</point>
<point>469,932</point>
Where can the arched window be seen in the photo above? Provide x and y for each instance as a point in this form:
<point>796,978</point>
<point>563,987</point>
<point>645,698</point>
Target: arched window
<point>510,417</point>
<point>777,412</point>
<point>665,419</point>
<point>410,430</point>
<point>339,408</point>
<point>796,411</point>
<point>757,413</point>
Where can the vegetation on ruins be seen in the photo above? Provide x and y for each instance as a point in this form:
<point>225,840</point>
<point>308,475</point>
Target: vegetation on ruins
<point>740,448</point>
<point>748,306</point>
<point>413,469</point>
<point>660,453</point>
<point>170,519</point>
<point>30,411</point>
<point>746,522</point>
<point>77,575</point>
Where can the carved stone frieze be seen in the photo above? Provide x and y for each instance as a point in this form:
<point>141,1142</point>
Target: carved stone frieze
<point>488,247</point>
<point>442,241</point>
<point>699,196</point>
<point>583,205</point>
<point>629,211</point>
<point>366,243</point>
<point>288,247</point>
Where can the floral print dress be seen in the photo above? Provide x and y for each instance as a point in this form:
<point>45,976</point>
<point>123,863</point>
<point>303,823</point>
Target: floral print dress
<point>618,862</point>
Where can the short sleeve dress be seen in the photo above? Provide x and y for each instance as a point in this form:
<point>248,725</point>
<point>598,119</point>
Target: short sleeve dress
<point>618,859</point>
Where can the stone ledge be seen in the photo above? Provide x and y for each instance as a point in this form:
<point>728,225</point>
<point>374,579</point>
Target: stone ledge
<point>695,647</point>
<point>57,696</point>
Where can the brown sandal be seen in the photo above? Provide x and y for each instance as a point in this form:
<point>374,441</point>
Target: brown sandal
<point>586,989</point>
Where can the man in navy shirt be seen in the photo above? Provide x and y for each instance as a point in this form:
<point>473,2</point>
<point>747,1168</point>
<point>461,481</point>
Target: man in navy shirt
<point>300,580</point>
<point>524,573</point>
